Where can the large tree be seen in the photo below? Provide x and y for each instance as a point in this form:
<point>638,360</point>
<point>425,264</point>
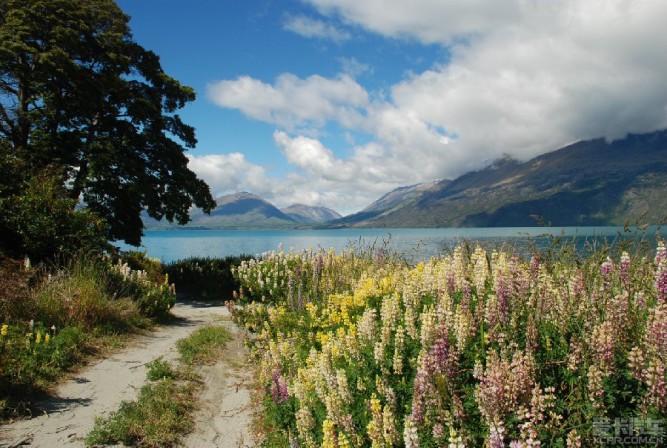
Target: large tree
<point>78,93</point>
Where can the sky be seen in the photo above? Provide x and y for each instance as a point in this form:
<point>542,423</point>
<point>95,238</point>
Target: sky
<point>336,102</point>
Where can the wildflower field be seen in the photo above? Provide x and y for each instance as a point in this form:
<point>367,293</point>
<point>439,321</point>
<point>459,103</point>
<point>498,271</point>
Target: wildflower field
<point>476,348</point>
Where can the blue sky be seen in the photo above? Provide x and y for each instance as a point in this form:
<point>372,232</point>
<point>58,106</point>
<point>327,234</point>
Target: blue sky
<point>336,102</point>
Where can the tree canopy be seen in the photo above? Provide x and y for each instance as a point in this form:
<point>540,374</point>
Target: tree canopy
<point>80,98</point>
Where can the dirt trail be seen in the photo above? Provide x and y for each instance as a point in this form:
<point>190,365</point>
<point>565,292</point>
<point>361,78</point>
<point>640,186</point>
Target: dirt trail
<point>68,416</point>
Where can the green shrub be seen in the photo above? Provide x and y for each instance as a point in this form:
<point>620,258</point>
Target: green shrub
<point>32,355</point>
<point>206,277</point>
<point>40,221</point>
<point>154,299</point>
<point>82,294</point>
<point>159,369</point>
<point>15,300</point>
<point>139,261</point>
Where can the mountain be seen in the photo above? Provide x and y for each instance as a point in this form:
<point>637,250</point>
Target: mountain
<point>395,199</point>
<point>400,196</point>
<point>591,182</point>
<point>307,214</point>
<point>249,211</point>
<point>242,211</point>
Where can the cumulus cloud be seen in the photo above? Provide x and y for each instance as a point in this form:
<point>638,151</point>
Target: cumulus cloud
<point>293,101</point>
<point>430,21</point>
<point>309,27</point>
<point>524,77</point>
<point>322,179</point>
<point>228,173</point>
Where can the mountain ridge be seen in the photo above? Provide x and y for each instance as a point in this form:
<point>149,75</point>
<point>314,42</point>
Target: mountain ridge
<point>593,182</point>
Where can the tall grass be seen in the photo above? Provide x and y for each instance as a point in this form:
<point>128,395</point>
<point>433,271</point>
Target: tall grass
<point>85,293</point>
<point>52,318</point>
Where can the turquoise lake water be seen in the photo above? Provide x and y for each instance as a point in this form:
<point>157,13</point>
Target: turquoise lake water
<point>171,245</point>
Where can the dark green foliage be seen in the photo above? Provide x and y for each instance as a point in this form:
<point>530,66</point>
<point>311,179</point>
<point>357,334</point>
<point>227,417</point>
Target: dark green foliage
<point>76,92</point>
<point>205,277</point>
<point>142,279</point>
<point>139,261</point>
<point>41,221</point>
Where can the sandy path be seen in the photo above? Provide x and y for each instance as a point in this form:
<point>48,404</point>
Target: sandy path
<point>225,413</point>
<point>99,389</point>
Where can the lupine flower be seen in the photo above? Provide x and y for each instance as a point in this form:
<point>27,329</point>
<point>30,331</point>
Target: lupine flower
<point>497,435</point>
<point>330,439</point>
<point>304,424</point>
<point>399,341</point>
<point>657,388</point>
<point>624,269</point>
<point>503,385</point>
<point>604,340</point>
<point>279,387</point>
<point>595,391</point>
<point>573,439</point>
<point>606,270</point>
<point>410,436</point>
<point>389,432</point>
<point>661,271</point>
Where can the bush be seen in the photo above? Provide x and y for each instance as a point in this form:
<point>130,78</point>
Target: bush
<point>159,369</point>
<point>32,355</point>
<point>14,293</point>
<point>40,221</point>
<point>206,277</point>
<point>139,261</point>
<point>83,294</point>
<point>150,290</point>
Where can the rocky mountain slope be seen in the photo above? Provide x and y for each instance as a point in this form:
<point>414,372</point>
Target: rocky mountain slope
<point>307,214</point>
<point>588,183</point>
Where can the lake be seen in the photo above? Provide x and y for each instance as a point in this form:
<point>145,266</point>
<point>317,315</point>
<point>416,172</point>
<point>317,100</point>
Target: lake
<point>171,245</point>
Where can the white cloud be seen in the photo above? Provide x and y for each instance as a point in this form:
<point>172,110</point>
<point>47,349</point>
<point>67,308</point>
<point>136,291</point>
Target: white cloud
<point>430,21</point>
<point>292,101</point>
<point>229,173</point>
<point>309,27</point>
<point>320,178</point>
<point>354,67</point>
<point>524,77</point>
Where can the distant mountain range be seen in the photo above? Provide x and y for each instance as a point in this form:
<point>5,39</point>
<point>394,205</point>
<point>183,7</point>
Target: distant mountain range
<point>591,182</point>
<point>588,183</point>
<point>248,211</point>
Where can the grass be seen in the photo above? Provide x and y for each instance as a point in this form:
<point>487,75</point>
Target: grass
<point>204,346</point>
<point>157,418</point>
<point>55,317</point>
<point>162,413</point>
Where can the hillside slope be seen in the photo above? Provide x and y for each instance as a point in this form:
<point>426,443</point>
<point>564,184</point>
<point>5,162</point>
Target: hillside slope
<point>588,183</point>
<point>308,214</point>
<point>242,211</point>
